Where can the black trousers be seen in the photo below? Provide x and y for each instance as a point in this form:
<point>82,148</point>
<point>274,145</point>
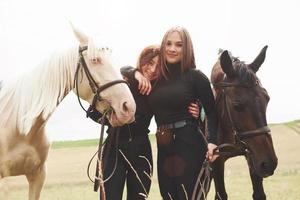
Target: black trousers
<point>179,162</point>
<point>134,157</point>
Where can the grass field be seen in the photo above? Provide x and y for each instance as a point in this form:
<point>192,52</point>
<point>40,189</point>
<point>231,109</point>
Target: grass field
<point>67,179</point>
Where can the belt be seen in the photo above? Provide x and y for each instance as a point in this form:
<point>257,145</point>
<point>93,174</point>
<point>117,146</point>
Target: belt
<point>174,125</point>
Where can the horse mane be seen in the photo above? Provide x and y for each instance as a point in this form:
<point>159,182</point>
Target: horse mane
<point>244,74</point>
<point>38,92</point>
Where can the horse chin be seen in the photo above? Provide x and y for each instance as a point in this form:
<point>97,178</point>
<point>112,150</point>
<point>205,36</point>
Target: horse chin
<point>270,170</point>
<point>113,120</point>
<point>264,173</point>
<point>111,115</point>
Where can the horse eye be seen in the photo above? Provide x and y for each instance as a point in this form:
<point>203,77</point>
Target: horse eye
<point>95,60</point>
<point>268,97</point>
<point>266,94</point>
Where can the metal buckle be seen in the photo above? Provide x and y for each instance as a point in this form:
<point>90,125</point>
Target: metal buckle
<point>180,124</point>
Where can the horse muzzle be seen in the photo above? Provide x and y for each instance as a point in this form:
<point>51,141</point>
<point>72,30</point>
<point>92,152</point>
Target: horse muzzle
<point>266,168</point>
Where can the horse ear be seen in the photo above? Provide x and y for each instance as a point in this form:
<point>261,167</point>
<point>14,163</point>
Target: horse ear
<point>258,61</point>
<point>81,37</point>
<point>226,64</point>
<point>220,51</point>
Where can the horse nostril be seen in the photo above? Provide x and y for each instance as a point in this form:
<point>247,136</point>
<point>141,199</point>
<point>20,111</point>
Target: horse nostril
<point>268,167</point>
<point>264,166</point>
<point>125,107</point>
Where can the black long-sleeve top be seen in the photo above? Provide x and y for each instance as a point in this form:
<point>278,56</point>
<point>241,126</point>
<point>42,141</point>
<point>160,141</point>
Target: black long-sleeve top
<point>169,99</point>
<point>143,114</point>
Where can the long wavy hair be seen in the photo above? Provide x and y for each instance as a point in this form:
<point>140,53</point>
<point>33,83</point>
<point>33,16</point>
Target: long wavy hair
<point>188,58</point>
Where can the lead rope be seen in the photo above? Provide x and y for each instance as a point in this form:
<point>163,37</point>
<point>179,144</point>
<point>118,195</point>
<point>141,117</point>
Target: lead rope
<point>202,184</point>
<point>98,175</point>
<point>116,135</point>
<point>99,179</point>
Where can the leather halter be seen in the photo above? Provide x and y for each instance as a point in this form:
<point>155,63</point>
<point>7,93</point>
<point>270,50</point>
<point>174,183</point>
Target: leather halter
<point>239,135</point>
<point>96,89</point>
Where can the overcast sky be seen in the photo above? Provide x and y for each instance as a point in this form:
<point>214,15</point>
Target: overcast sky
<point>30,30</point>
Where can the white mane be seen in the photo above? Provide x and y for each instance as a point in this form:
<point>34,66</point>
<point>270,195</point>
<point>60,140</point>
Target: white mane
<point>27,103</point>
<point>38,92</point>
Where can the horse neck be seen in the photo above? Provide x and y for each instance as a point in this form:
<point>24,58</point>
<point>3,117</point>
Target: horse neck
<point>226,133</point>
<point>53,80</point>
<point>39,92</point>
<point>217,76</point>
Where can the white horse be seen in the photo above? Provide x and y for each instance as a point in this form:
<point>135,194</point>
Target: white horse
<point>27,103</point>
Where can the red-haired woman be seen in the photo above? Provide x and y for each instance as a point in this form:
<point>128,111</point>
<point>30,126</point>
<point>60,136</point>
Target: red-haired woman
<point>128,158</point>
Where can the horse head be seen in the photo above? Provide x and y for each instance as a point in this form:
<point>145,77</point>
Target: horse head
<point>244,102</point>
<point>98,82</point>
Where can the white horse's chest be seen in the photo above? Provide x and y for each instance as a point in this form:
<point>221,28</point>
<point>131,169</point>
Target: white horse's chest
<point>22,158</point>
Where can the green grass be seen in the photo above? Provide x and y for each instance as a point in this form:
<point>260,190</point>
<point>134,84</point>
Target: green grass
<point>83,143</point>
<point>294,125</point>
<point>282,186</point>
<point>67,179</point>
<point>73,144</point>
<point>60,191</point>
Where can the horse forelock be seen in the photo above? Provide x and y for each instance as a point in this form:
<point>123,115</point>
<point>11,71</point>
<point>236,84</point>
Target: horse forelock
<point>244,74</point>
<point>98,52</point>
<point>38,92</point>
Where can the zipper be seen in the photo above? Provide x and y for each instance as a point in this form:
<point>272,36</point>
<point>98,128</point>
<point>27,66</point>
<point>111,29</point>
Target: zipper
<point>130,134</point>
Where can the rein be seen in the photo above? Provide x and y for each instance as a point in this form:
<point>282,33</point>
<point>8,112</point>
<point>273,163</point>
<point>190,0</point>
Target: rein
<point>101,159</point>
<point>93,85</point>
<point>202,184</point>
<point>239,145</point>
<point>99,174</point>
<point>99,181</point>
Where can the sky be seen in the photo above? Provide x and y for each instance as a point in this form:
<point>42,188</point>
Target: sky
<point>33,29</point>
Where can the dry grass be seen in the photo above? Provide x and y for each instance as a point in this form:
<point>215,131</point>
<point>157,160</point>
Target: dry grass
<point>67,179</point>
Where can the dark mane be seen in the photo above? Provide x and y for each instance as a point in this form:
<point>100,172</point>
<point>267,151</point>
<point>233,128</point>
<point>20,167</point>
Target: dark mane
<point>244,74</point>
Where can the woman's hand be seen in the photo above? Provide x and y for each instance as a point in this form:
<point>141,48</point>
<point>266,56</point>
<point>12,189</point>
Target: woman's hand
<point>194,110</point>
<point>210,155</point>
<point>144,84</point>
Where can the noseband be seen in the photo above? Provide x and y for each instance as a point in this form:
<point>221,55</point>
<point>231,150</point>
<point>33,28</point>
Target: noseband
<point>239,135</point>
<point>93,85</point>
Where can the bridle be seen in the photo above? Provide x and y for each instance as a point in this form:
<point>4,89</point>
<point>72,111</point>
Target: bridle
<point>96,89</point>
<point>240,145</point>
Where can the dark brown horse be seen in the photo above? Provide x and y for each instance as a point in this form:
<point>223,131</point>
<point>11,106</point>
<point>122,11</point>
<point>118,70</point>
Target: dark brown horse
<point>241,104</point>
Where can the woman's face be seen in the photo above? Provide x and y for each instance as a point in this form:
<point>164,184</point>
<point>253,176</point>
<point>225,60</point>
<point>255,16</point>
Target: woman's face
<point>173,48</point>
<point>148,70</point>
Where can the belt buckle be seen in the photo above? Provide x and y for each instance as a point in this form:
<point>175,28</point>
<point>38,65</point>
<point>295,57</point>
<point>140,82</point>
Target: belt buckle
<point>180,124</point>
<point>163,127</point>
